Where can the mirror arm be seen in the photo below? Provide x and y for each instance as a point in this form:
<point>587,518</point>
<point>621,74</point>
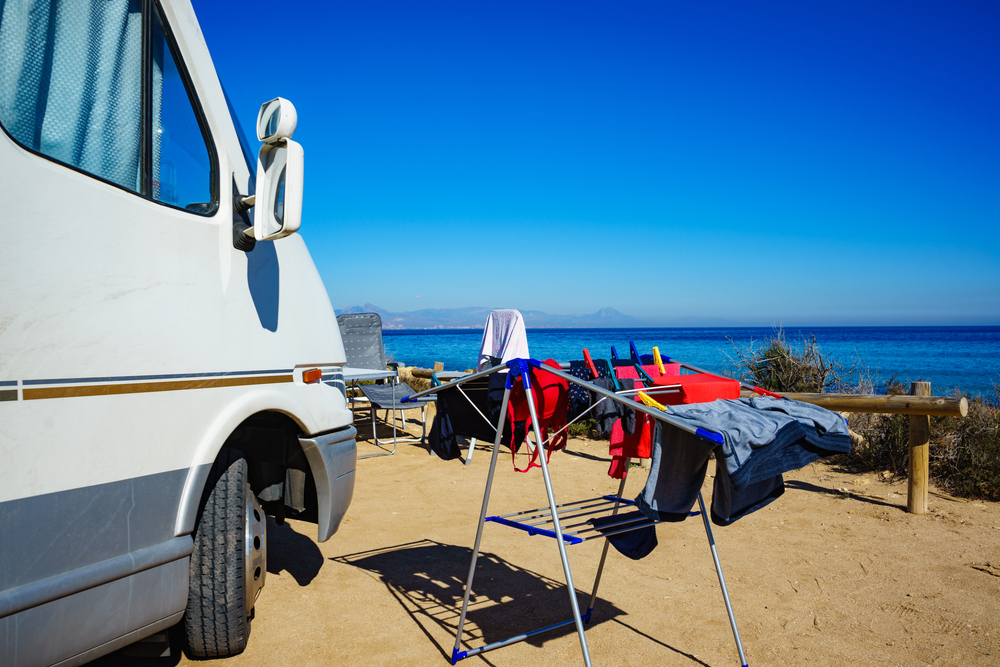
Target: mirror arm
<point>243,238</point>
<point>243,204</point>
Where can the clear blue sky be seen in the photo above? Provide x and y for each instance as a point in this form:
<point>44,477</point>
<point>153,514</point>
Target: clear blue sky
<point>797,162</point>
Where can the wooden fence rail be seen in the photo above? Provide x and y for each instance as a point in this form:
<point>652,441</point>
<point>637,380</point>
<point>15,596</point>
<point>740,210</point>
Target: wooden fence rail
<point>920,405</point>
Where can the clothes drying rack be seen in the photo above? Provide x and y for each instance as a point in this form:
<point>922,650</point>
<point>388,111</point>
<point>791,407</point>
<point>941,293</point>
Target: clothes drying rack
<point>566,523</point>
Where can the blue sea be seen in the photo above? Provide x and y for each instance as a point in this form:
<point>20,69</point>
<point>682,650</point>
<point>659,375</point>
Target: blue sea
<point>967,358</point>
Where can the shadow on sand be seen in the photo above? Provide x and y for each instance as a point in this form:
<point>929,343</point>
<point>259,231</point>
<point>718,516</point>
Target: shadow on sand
<point>428,579</point>
<point>854,495</point>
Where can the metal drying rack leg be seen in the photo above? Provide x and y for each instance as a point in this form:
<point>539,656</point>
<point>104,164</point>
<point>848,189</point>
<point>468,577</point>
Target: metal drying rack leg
<point>555,522</point>
<point>456,653</point>
<point>722,580</point>
<point>607,543</point>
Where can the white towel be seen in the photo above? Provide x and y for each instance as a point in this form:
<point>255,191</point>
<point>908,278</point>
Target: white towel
<point>503,338</point>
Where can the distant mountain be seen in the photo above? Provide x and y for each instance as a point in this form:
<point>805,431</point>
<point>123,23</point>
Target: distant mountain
<point>475,317</point>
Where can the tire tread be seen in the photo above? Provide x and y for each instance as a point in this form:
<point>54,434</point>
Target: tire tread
<point>216,622</point>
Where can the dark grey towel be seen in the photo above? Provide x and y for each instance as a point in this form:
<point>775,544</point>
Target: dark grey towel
<point>763,437</point>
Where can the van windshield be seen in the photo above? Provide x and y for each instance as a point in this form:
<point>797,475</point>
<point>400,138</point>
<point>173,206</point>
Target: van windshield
<point>244,144</point>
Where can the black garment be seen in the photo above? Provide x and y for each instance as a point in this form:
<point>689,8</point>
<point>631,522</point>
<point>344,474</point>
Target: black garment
<point>608,412</point>
<point>679,464</point>
<point>728,504</point>
<point>634,544</point>
<point>494,401</point>
<point>442,438</point>
<point>579,397</point>
<point>456,416</point>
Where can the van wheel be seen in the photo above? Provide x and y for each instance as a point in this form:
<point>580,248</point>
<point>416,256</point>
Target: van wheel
<point>228,564</point>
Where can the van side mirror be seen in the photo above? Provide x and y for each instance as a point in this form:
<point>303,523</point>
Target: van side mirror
<point>280,172</point>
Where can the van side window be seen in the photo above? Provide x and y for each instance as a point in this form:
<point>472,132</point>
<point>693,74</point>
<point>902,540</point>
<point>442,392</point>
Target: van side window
<point>71,83</point>
<point>182,171</point>
<point>75,87</point>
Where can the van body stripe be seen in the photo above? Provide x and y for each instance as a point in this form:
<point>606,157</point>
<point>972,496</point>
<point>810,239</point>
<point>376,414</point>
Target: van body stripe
<point>29,394</point>
<point>132,378</point>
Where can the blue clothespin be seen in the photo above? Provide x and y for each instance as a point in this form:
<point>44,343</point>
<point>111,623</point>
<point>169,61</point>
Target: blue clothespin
<point>634,353</point>
<point>610,371</point>
<point>614,352</point>
<point>644,375</point>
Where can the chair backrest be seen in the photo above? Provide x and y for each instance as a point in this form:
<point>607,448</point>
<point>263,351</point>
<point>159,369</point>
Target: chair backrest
<point>362,335</point>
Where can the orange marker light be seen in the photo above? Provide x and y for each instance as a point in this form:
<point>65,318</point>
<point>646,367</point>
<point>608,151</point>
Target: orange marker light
<point>312,375</point>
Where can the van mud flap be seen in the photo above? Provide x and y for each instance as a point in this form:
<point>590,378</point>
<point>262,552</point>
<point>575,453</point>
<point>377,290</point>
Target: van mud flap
<point>332,459</point>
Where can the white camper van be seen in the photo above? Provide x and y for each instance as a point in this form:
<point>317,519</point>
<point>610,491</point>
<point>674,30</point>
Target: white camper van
<point>170,363</point>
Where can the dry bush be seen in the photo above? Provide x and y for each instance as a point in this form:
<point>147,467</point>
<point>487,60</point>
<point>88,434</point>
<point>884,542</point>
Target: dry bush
<point>776,365</point>
<point>964,452</point>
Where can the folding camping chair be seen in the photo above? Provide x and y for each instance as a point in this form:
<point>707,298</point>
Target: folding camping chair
<point>362,336</point>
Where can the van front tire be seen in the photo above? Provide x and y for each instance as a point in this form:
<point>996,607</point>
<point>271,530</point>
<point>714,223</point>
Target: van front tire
<point>217,619</point>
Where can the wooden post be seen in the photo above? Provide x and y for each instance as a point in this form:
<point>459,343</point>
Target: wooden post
<point>920,435</point>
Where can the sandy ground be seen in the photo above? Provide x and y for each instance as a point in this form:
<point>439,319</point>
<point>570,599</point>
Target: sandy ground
<point>819,577</point>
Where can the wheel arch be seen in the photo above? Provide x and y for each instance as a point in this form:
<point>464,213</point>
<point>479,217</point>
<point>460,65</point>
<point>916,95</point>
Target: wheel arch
<point>267,403</point>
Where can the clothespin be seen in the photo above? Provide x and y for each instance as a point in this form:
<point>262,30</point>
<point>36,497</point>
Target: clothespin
<point>590,363</point>
<point>611,374</point>
<point>644,397</point>
<point>765,392</point>
<point>644,375</point>
<point>614,352</point>
<point>658,361</point>
<point>634,353</point>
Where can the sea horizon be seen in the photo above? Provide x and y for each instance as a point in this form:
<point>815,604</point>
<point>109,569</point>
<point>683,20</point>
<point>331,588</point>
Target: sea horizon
<point>952,357</point>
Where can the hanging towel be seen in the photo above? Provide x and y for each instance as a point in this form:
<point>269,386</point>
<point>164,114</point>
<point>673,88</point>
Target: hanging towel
<point>680,461</point>
<point>633,443</point>
<point>503,338</point>
<point>697,388</point>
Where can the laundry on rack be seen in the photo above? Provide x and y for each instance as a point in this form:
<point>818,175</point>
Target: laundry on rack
<point>579,397</point>
<point>636,543</point>
<point>460,412</point>
<point>626,369</point>
<point>766,436</point>
<point>608,412</point>
<point>628,443</point>
<point>677,471</point>
<point>504,339</point>
<point>696,388</point>
<point>625,445</point>
<point>551,397</point>
<point>763,438</point>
